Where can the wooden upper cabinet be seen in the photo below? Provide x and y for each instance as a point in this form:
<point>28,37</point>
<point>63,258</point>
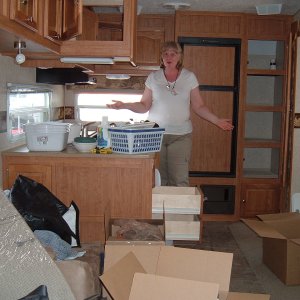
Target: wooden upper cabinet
<point>208,24</point>
<point>123,49</point>
<point>4,8</point>
<point>152,32</point>
<point>89,25</point>
<point>109,27</point>
<point>53,19</point>
<point>28,13</point>
<point>149,44</point>
<point>264,27</point>
<point>72,18</point>
<point>63,19</point>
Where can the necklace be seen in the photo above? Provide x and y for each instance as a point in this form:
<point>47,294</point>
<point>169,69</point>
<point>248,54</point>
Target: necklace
<point>170,87</point>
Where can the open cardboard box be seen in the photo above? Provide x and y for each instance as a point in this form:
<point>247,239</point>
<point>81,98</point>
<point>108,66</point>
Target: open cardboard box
<point>281,244</point>
<point>166,272</point>
<point>113,227</point>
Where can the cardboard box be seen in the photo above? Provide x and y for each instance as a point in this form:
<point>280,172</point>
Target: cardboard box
<point>281,244</point>
<point>169,272</point>
<point>112,236</point>
<point>181,208</point>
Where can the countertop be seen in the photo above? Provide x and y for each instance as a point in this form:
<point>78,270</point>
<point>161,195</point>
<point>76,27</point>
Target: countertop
<point>70,151</point>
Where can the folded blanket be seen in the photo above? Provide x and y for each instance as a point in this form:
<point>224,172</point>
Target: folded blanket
<point>63,250</point>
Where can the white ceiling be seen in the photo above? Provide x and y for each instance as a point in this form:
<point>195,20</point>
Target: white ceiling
<point>289,7</point>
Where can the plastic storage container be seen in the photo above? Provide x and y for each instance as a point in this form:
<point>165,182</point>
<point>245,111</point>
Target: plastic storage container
<point>136,141</point>
<point>49,136</point>
<point>75,131</point>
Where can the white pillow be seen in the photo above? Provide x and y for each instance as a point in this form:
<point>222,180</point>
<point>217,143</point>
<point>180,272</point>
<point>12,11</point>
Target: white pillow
<point>72,218</point>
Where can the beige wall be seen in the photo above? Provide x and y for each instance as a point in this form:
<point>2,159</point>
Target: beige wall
<point>13,73</point>
<point>295,185</point>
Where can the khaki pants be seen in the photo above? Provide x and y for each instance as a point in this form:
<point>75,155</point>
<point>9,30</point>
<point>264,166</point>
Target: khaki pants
<point>174,159</point>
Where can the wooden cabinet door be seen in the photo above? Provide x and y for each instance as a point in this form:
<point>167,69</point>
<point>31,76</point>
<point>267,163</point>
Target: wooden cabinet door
<point>63,19</point>
<point>121,186</point>
<point>4,8</point>
<point>149,45</point>
<point>53,19</point>
<point>37,172</point>
<point>27,13</point>
<point>259,199</point>
<point>152,32</point>
<point>72,19</point>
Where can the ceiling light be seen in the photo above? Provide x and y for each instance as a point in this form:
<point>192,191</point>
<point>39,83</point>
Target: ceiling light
<point>176,5</point>
<point>268,9</point>
<point>118,76</point>
<point>87,60</point>
<point>20,57</point>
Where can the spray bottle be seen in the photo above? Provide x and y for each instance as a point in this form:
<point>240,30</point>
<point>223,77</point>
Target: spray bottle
<point>103,134</point>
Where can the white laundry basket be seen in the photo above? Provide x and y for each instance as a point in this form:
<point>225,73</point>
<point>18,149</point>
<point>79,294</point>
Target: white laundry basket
<point>136,141</point>
<point>295,205</point>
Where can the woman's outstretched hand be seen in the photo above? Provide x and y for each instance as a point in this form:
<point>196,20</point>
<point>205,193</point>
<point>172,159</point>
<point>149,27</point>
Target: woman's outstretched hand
<point>116,105</point>
<point>225,124</point>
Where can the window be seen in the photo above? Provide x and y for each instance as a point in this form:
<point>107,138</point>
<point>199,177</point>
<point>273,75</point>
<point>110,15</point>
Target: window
<point>26,104</point>
<point>92,107</point>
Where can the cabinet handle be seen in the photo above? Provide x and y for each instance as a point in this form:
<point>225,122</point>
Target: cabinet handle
<point>56,36</point>
<point>29,19</point>
<point>24,2</point>
<point>244,201</point>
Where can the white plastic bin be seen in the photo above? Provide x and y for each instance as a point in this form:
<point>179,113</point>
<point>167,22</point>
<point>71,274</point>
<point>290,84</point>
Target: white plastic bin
<point>48,136</point>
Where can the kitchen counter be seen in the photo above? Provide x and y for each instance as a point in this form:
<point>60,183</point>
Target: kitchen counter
<point>70,151</point>
<point>102,185</point>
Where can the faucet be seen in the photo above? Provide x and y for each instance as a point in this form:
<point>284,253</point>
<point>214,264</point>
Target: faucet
<point>84,129</point>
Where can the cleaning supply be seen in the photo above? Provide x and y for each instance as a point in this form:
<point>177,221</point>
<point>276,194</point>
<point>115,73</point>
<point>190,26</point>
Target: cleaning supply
<point>103,134</point>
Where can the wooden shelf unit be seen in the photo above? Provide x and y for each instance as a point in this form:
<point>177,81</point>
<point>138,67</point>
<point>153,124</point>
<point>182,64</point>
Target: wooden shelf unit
<point>264,115</point>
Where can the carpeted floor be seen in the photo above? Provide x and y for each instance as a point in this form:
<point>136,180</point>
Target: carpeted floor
<point>249,274</point>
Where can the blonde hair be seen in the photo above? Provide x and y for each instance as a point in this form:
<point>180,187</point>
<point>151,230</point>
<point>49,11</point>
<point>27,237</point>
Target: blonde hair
<point>170,45</point>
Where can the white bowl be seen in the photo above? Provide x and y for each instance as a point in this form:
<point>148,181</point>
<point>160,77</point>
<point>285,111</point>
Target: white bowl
<point>84,147</point>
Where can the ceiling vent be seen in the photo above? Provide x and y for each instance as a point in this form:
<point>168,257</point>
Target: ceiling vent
<point>268,9</point>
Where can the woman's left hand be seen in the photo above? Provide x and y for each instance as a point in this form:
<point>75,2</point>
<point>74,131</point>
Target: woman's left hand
<point>225,124</point>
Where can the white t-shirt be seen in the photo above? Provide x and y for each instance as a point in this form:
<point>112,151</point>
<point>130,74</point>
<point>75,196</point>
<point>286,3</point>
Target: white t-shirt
<point>169,111</point>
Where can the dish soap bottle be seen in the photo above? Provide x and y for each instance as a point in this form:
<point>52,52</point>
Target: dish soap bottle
<point>103,134</point>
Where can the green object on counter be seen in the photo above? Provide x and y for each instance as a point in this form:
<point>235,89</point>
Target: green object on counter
<point>80,139</point>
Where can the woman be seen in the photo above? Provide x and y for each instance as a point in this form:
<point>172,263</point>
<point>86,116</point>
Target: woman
<point>169,93</point>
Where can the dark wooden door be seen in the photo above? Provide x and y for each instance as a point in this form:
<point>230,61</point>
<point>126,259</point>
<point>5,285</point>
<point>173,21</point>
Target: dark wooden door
<point>216,65</point>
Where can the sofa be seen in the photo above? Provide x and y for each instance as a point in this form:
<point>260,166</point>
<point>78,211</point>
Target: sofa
<point>26,264</point>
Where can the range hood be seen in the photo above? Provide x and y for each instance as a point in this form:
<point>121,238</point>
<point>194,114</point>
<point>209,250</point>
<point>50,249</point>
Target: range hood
<point>63,76</point>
